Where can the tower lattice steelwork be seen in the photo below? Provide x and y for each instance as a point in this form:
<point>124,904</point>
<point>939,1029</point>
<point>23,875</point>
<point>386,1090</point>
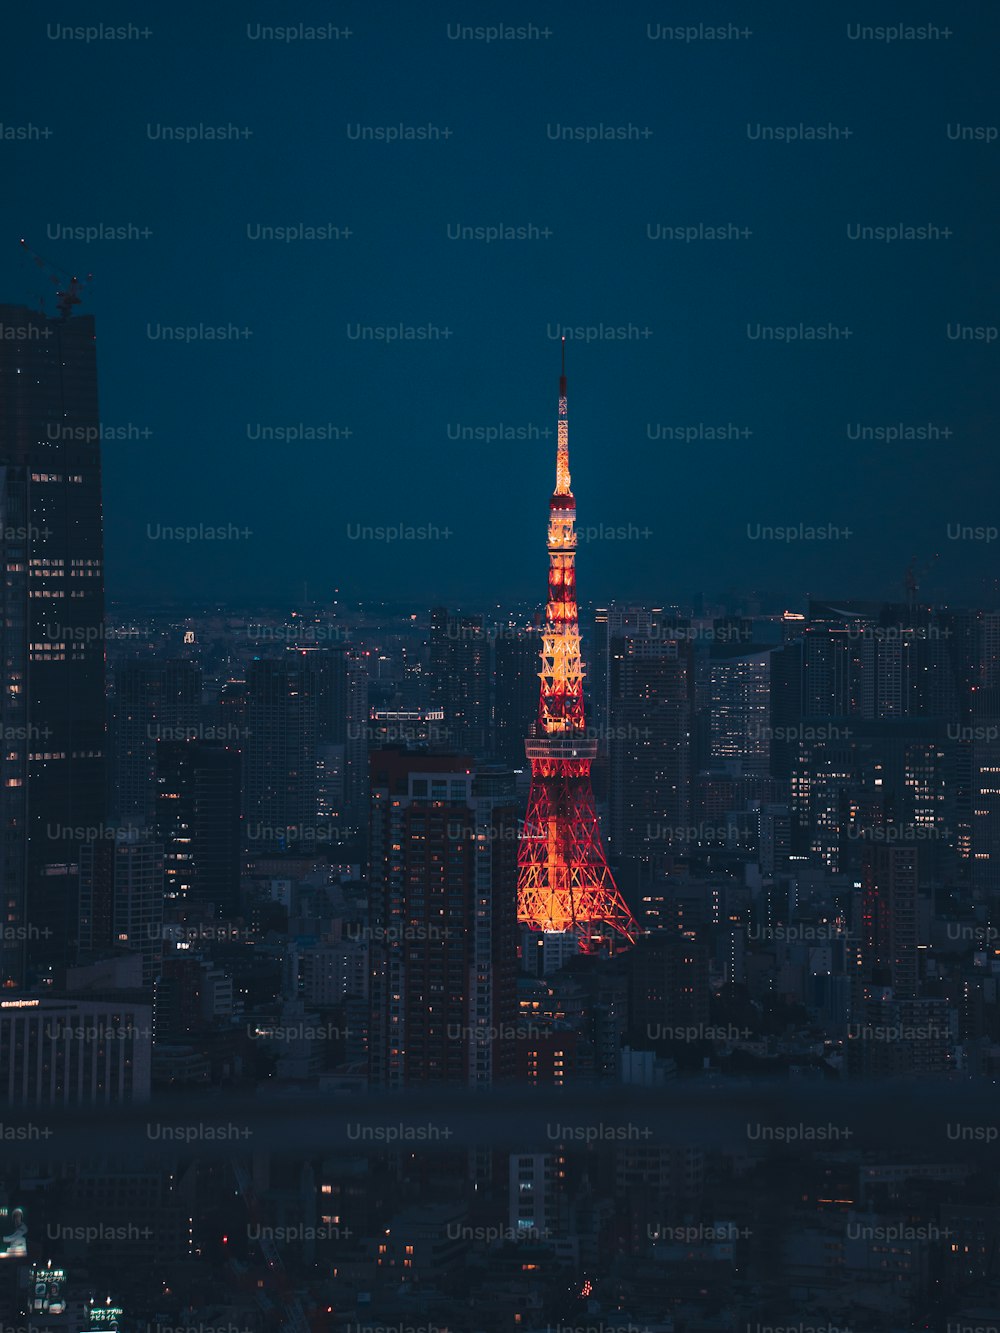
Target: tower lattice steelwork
<point>564,882</point>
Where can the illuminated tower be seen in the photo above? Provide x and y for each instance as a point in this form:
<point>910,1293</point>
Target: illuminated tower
<point>564,883</point>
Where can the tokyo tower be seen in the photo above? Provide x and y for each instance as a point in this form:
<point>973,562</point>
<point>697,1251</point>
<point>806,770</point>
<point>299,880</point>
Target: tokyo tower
<point>564,882</point>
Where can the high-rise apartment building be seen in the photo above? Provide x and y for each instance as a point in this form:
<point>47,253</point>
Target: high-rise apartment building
<point>882,781</point>
<point>52,761</point>
<point>740,710</point>
<point>198,823</point>
<point>980,755</point>
<point>443,931</point>
<point>515,692</point>
<point>538,1206</point>
<point>460,678</point>
<point>343,735</point>
<point>889,919</point>
<point>154,702</point>
<point>610,623</point>
<point>121,900</point>
<point>878,661</point>
<point>649,743</point>
<point>280,788</point>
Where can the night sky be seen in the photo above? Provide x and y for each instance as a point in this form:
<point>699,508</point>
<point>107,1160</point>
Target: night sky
<point>689,502</point>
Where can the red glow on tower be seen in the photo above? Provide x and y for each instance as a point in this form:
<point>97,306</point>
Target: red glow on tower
<point>564,881</point>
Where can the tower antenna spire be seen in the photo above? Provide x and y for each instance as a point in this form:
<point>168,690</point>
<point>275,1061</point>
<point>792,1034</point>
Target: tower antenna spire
<point>565,884</point>
<point>562,446</point>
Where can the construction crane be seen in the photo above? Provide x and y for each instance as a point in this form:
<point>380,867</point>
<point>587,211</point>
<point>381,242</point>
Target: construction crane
<point>912,577</point>
<point>71,291</point>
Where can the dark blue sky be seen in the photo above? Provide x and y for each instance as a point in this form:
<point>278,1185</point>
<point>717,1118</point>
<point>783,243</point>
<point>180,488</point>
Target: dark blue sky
<point>503,301</point>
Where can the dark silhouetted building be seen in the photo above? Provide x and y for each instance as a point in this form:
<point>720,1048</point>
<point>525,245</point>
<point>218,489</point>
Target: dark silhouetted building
<point>121,900</point>
<point>889,780</point>
<point>198,823</point>
<point>344,734</point>
<point>154,702</point>
<point>52,763</point>
<point>981,751</point>
<point>889,918</point>
<point>668,987</point>
<point>649,744</point>
<point>231,713</point>
<point>280,785</point>
<point>443,931</point>
<point>740,710</point>
<point>877,661</point>
<point>611,623</point>
<point>75,1051</point>
<point>460,678</point>
<point>515,692</point>
<point>891,1037</point>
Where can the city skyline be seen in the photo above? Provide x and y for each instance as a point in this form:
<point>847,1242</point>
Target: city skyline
<point>388,944</point>
<point>900,403</point>
<point>615,546</point>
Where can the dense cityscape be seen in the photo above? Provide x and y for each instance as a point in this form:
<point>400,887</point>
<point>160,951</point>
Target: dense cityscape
<point>499,669</point>
<point>276,879</point>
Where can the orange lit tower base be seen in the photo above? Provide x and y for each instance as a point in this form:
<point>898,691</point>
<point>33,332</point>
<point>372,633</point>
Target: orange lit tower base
<point>564,882</point>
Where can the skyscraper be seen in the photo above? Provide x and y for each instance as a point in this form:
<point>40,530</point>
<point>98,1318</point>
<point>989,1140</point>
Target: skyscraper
<point>889,919</point>
<point>740,718</point>
<point>882,780</point>
<point>982,758</point>
<point>198,823</point>
<point>121,899</point>
<point>614,622</point>
<point>877,661</point>
<point>564,882</point>
<point>443,934</point>
<point>154,702</point>
<point>52,763</point>
<point>357,730</point>
<point>280,790</point>
<point>650,747</point>
<point>515,700</point>
<point>460,678</point>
